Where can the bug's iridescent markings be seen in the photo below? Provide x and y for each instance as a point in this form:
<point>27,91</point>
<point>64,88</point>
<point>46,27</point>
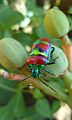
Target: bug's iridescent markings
<point>40,57</point>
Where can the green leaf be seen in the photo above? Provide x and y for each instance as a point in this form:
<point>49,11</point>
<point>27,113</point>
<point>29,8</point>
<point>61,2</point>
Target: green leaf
<point>1,2</point>
<point>42,106</point>
<point>32,114</point>
<point>31,5</point>
<point>55,106</point>
<point>9,17</point>
<point>19,109</point>
<point>6,33</point>
<point>6,113</point>
<point>58,85</point>
<point>23,38</point>
<point>70,21</point>
<point>40,31</point>
<point>17,105</point>
<point>6,90</point>
<point>70,10</point>
<point>37,94</point>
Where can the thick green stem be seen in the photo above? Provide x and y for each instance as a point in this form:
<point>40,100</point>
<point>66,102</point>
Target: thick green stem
<point>67,77</point>
<point>46,89</point>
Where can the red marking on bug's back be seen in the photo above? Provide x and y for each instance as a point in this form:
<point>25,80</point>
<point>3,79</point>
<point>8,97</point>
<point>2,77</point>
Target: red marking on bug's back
<point>45,39</point>
<point>43,47</point>
<point>36,60</point>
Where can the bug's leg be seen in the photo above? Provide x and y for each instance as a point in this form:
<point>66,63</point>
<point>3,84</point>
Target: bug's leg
<point>50,63</point>
<point>53,62</point>
<point>43,81</point>
<point>52,50</point>
<point>48,71</point>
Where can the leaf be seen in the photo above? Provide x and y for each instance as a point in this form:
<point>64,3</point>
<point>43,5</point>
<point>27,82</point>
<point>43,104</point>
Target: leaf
<point>42,106</point>
<point>32,114</point>
<point>6,34</point>
<point>55,106</point>
<point>23,38</point>
<point>40,31</point>
<point>1,1</point>
<point>58,85</point>
<point>31,6</point>
<point>19,109</point>
<point>6,113</point>
<point>70,10</point>
<point>6,90</point>
<point>17,105</point>
<point>9,17</point>
<point>70,21</point>
<point>37,94</point>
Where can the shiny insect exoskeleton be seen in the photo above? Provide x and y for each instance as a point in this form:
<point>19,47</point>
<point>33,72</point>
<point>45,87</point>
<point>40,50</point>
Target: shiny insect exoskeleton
<point>40,55</point>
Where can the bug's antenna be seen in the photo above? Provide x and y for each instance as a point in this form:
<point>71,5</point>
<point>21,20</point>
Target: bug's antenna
<point>19,81</point>
<point>48,71</point>
<point>26,78</point>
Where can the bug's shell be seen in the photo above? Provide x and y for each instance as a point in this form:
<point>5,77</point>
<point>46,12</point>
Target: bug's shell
<point>41,47</point>
<point>37,60</point>
<point>40,52</point>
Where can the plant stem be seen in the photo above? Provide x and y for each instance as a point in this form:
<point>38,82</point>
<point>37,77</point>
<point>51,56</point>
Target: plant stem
<point>67,77</point>
<point>65,40</point>
<point>11,76</point>
<point>62,96</point>
<point>67,48</point>
<point>46,89</point>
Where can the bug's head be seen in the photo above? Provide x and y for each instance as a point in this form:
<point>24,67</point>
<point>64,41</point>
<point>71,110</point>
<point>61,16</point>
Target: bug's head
<point>35,69</point>
<point>35,72</point>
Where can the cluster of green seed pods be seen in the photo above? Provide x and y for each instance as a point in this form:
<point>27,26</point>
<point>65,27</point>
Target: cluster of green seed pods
<point>56,23</point>
<point>12,53</point>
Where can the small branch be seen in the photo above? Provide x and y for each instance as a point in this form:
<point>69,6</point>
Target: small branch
<point>11,76</point>
<point>65,40</point>
<point>67,48</point>
<point>36,82</point>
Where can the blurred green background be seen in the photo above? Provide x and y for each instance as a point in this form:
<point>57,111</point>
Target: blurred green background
<point>23,21</point>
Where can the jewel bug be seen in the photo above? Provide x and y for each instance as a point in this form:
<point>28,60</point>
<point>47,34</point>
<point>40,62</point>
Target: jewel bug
<point>40,56</point>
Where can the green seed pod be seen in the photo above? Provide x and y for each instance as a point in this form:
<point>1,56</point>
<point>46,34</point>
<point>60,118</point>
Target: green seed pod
<point>61,62</point>
<point>56,23</point>
<point>67,77</point>
<point>12,53</point>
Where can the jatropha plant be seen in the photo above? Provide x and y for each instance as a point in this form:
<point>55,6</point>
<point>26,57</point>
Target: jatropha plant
<point>46,63</point>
